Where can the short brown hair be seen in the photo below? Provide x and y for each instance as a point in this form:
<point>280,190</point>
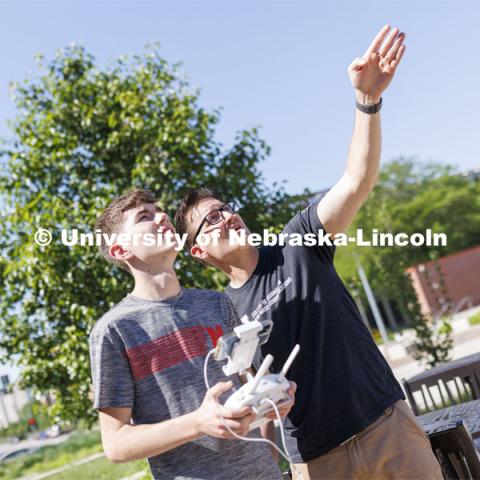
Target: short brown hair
<point>112,218</point>
<point>183,217</point>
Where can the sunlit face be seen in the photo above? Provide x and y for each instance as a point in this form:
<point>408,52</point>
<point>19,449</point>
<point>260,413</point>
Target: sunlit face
<point>220,231</point>
<point>145,219</point>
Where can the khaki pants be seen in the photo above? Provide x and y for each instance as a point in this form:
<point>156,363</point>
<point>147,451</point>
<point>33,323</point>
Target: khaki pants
<point>393,447</point>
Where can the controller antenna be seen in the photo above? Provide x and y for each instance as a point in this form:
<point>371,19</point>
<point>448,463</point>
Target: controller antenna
<point>261,372</point>
<point>290,360</point>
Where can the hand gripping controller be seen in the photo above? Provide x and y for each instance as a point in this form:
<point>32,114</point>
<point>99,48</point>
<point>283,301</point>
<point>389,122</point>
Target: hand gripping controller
<point>273,386</point>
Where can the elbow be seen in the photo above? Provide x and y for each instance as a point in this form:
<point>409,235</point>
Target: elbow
<point>363,188</point>
<point>361,184</point>
<point>112,456</point>
<point>116,459</point>
<point>370,184</point>
<point>115,455</point>
<point>367,184</point>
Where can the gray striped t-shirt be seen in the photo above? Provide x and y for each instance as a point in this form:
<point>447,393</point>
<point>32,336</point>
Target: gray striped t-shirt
<point>149,355</point>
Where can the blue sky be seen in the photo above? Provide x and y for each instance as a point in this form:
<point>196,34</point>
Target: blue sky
<point>282,65</point>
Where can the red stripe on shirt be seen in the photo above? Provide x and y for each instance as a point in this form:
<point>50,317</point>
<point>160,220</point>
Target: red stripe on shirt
<point>172,349</point>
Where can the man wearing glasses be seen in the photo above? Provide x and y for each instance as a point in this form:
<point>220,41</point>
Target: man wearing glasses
<point>349,419</point>
<point>213,217</point>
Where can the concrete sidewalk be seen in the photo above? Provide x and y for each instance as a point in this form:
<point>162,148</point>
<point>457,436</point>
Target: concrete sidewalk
<point>466,341</point>
<point>33,443</point>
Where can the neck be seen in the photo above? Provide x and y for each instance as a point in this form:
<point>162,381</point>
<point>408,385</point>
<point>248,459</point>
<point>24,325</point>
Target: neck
<point>158,285</point>
<point>240,268</point>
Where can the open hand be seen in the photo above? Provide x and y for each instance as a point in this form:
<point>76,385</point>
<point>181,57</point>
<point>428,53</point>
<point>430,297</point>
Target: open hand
<point>371,74</point>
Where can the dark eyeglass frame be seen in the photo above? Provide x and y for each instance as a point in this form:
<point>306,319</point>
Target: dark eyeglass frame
<point>230,207</point>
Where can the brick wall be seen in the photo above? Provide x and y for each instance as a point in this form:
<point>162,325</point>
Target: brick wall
<point>452,281</point>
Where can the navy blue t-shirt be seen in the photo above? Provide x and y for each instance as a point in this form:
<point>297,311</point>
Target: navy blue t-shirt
<point>344,383</point>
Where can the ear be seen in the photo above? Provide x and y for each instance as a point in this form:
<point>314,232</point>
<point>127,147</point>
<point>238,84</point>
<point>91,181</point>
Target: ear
<point>197,252</point>
<point>119,253</point>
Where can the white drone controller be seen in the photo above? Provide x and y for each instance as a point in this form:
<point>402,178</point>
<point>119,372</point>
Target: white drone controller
<point>264,390</point>
<point>258,389</point>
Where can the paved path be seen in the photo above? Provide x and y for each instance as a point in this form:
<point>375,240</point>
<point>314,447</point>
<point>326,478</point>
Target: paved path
<point>135,476</point>
<point>33,443</point>
<point>464,343</point>
<point>49,473</point>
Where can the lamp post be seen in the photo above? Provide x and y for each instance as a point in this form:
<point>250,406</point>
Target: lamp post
<point>371,301</point>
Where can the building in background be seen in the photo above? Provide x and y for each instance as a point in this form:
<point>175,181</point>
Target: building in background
<point>449,284</point>
<point>12,400</point>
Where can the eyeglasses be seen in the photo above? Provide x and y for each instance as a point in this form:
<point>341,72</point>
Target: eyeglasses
<point>215,216</point>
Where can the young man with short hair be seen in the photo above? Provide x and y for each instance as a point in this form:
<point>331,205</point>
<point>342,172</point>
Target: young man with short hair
<point>349,419</point>
<point>147,358</point>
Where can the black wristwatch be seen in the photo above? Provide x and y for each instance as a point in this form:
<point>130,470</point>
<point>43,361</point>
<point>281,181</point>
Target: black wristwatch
<point>370,109</point>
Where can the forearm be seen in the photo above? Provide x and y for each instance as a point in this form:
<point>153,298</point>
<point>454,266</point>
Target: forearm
<point>134,442</point>
<point>370,76</point>
<point>365,149</point>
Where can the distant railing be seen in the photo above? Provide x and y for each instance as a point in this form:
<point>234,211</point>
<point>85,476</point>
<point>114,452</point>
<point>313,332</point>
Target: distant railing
<point>453,308</point>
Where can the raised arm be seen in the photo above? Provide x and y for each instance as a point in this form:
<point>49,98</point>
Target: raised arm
<point>370,76</point>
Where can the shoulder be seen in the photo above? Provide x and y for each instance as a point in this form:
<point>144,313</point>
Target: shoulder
<point>112,320</point>
<point>306,220</point>
<point>208,302</point>
<point>198,298</point>
<point>201,295</point>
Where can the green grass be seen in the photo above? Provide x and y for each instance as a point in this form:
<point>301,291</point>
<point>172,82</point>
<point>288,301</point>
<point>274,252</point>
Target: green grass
<point>103,469</point>
<point>474,319</point>
<point>377,337</point>
<point>78,446</point>
<point>284,465</point>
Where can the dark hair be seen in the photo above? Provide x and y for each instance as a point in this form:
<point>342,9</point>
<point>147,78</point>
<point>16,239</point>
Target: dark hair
<point>183,217</point>
<point>112,218</point>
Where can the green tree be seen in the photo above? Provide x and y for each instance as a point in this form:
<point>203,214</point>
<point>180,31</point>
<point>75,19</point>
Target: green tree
<point>82,136</point>
<point>411,197</point>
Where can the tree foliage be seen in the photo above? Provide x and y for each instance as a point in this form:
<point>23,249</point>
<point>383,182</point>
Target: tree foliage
<point>84,135</point>
<point>411,197</point>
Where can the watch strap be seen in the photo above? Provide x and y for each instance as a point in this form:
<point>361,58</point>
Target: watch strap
<point>370,109</point>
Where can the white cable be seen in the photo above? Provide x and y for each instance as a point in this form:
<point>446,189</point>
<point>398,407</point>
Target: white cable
<point>282,433</point>
<point>284,443</point>
<point>285,455</point>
